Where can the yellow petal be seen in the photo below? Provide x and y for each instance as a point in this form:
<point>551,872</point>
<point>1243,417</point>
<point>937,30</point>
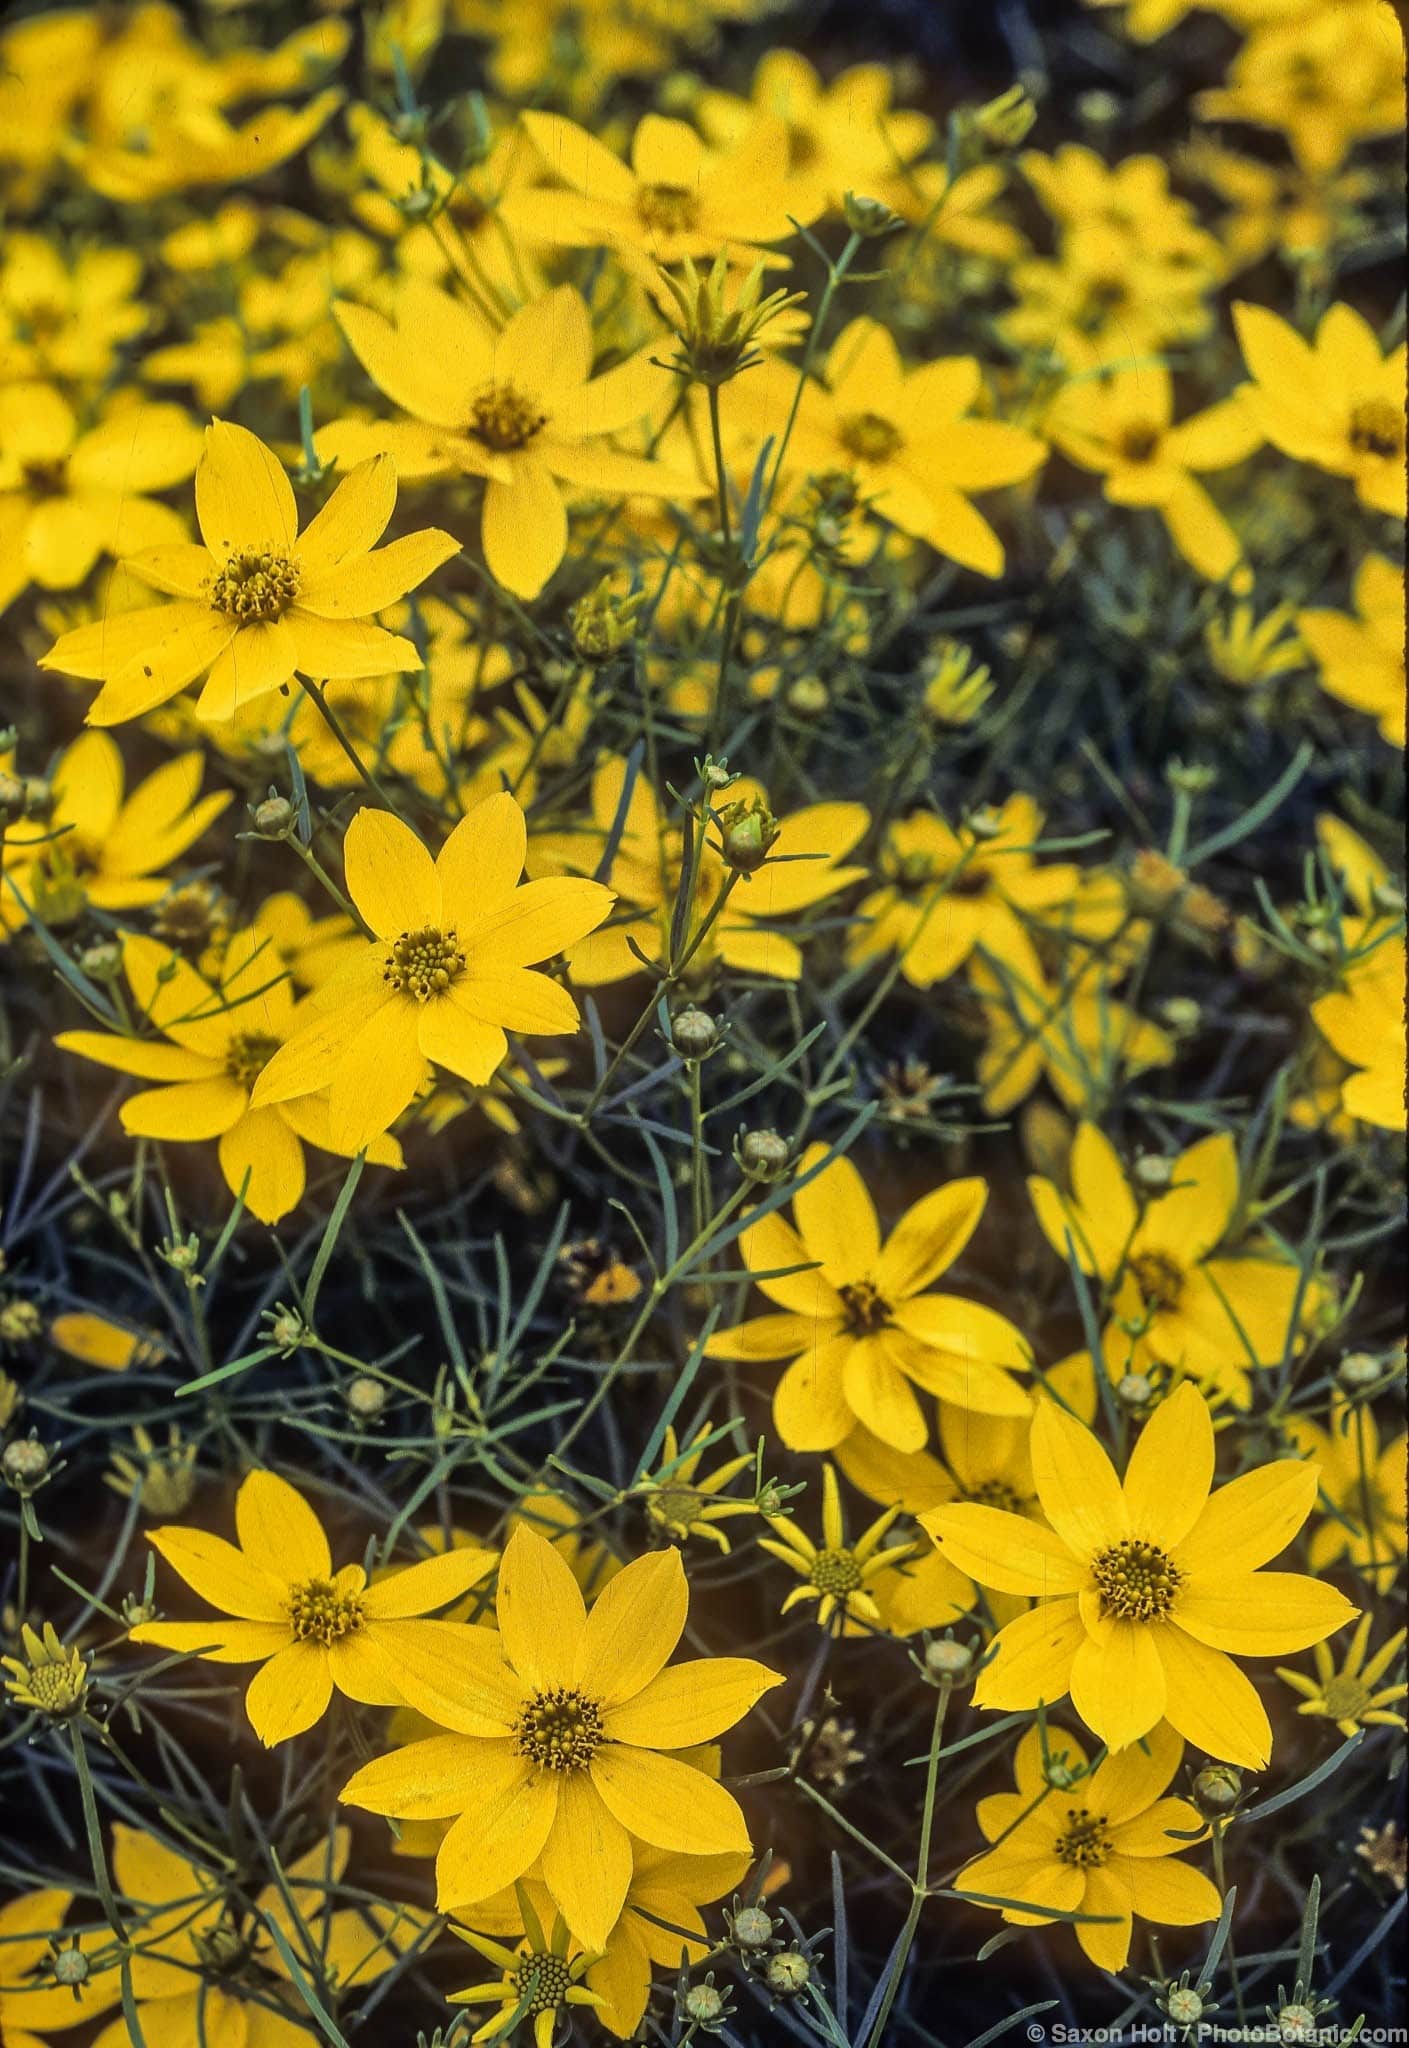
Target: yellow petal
<point>222,1574</point>
<point>218,1642</point>
<point>147,1057</point>
<point>930,1237</point>
<point>1211,1702</point>
<point>1076,1482</point>
<point>836,1219</point>
<point>1032,1658</point>
<point>1171,1469</point>
<point>880,1397</point>
<point>364,584</point>
<point>1118,1685</point>
<point>457,1677</point>
<point>243,498</point>
<point>186,1111</point>
<point>433,1778</point>
<point>378,1076</point>
<point>541,1612</point>
<point>261,1154</point>
<point>690,1702</point>
<point>1169,1892</point>
<point>1250,1519</point>
<point>538,920</point>
<point>354,518</point>
<point>421,1588</point>
<point>1003,1550</point>
<point>1261,1614</point>
<point>633,1627</point>
<point>290,1693</point>
<point>498,1836</point>
<point>390,875</point>
<point>453,1034</point>
<point>586,1861</point>
<point>517,1000</point>
<point>259,659</point>
<point>524,529</point>
<point>810,1408</point>
<point>664,1802</point>
<point>279,1532</point>
<point>481,862</point>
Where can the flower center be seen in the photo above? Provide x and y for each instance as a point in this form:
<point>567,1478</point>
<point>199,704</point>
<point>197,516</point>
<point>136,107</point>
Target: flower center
<point>1346,1698</point>
<point>1377,428</point>
<point>559,1730</point>
<point>320,1613</point>
<point>677,1506</point>
<point>836,1572</point>
<point>545,1980</point>
<point>1137,1581</point>
<point>1084,1841</point>
<point>1139,442</point>
<point>259,584</point>
<point>996,1493</point>
<point>248,1054</point>
<point>46,479</point>
<point>669,209</point>
<point>870,437</point>
<point>866,1309</point>
<point>1103,297</point>
<point>423,964</point>
<point>504,417</point>
<point>1158,1278</point>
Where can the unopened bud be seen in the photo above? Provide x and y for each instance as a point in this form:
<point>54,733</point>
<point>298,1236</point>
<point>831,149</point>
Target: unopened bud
<point>703,2004</point>
<point>1134,1391</point>
<point>1182,1014</point>
<point>604,621</point>
<point>20,1322</point>
<point>71,1967</point>
<point>1359,1369</point>
<point>748,831</point>
<point>753,1927</point>
<point>366,1398</point>
<point>103,961</point>
<point>1217,1788</point>
<point>1184,2005</point>
<point>809,696</point>
<point>1296,2023</point>
<point>273,818</point>
<point>947,1659</point>
<point>870,218</point>
<point>763,1155</point>
<point>693,1033</point>
<point>24,1463</point>
<point>788,1972</point>
<point>1153,1170</point>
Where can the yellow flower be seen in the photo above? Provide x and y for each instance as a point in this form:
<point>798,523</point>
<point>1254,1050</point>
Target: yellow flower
<point>1364,1022</point>
<point>1351,1697</point>
<point>1337,402</point>
<point>1363,1484</point>
<point>1327,77</point>
<point>96,1340</point>
<point>258,602</point>
<point>1106,299</point>
<point>99,846</point>
<point>1122,426</point>
<point>218,1039</point>
<point>1131,198</point>
<point>907,437</point>
<point>63,319</point>
<point>50,1679</point>
<point>1216,1318</point>
<point>677,198</point>
<point>519,408</point>
<point>681,1505</point>
<point>32,2000</point>
<point>539,1980</point>
<point>647,870</point>
<point>840,1576</point>
<point>1144,1589</point>
<point>1102,1842</point>
<point>860,1329</point>
<point>1250,651</point>
<point>1361,654</point>
<point>308,1627</point>
<point>68,496</point>
<point>447,972</point>
<point>1075,1032</point>
<point>205,1967</point>
<point>561,1726</point>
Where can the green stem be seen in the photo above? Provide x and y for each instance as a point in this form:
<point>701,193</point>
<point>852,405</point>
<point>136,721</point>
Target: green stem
<point>920,1888</point>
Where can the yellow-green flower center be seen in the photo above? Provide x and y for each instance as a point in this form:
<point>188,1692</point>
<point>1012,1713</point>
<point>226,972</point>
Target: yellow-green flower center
<point>560,1729</point>
<point>319,1613</point>
<point>668,209</point>
<point>676,1506</point>
<point>866,1310</point>
<point>1084,1841</point>
<point>545,1980</point>
<point>260,583</point>
<point>836,1572</point>
<point>1137,1581</point>
<point>1159,1280</point>
<point>870,437</point>
<point>248,1054</point>
<point>1377,428</point>
<point>503,417</point>
<point>1345,1698</point>
<point>423,964</point>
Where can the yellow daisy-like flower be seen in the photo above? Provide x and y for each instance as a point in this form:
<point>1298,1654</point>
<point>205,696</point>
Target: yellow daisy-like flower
<point>1103,1842</point>
<point>518,407</point>
<point>1362,1480</point>
<point>310,1629</point>
<point>839,1578</point>
<point>446,974</point>
<point>216,1040</point>
<point>859,1327</point>
<point>538,1980</point>
<point>681,1505</point>
<point>1364,1022</point>
<point>562,1722</point>
<point>1145,1591</point>
<point>1351,1696</point>
<point>1337,402</point>
<point>1216,1316</point>
<point>1075,1032</point>
<point>1361,654</point>
<point>260,601</point>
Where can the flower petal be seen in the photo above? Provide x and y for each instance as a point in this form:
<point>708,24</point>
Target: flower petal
<point>289,1693</point>
<point>1171,1469</point>
<point>663,1801</point>
<point>368,583</point>
<point>537,921</point>
<point>279,1532</point>
<point>221,1574</point>
<point>260,658</point>
<point>354,518</point>
<point>218,1642</point>
<point>690,1703</point>
<point>481,862</point>
<point>1171,1893</point>
<point>454,1036</point>
<point>542,1615</point>
<point>633,1627</point>
<point>810,1408</point>
<point>836,1218</point>
<point>430,1779</point>
<point>1118,1684</point>
<point>243,498</point>
<point>390,875</point>
<point>261,1154</point>
<point>1261,1614</point>
<point>457,1677</point>
<point>524,528</point>
<point>1212,1703</point>
<point>1250,1519</point>
<point>1005,1551</point>
<point>929,1238</point>
<point>379,1074</point>
<point>185,1111</point>
<point>499,1836</point>
<point>1075,1481</point>
<point>433,1582</point>
<point>1032,1658</point>
<point>586,1861</point>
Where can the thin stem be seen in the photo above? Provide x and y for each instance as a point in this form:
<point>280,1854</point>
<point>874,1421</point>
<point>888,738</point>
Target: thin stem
<point>920,1889</point>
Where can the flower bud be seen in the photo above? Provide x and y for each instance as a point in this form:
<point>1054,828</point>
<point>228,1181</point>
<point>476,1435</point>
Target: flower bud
<point>1182,1014</point>
<point>947,1659</point>
<point>24,1463</point>
<point>71,1967</point>
<point>753,1927</point>
<point>20,1322</point>
<point>604,621</point>
<point>1217,1788</point>
<point>1296,2023</point>
<point>703,2004</point>
<point>366,1398</point>
<point>788,1972</point>
<point>38,797</point>
<point>870,218</point>
<point>748,831</point>
<point>1184,2005</point>
<point>1006,121</point>
<point>103,961</point>
<point>274,818</point>
<point>1154,1171</point>
<point>1359,1369</point>
<point>1134,1391</point>
<point>693,1033</point>
<point>763,1155</point>
<point>809,696</point>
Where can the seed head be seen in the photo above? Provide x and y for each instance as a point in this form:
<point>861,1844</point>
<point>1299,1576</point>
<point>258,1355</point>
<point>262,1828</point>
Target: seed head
<point>753,1927</point>
<point>947,1659</point>
<point>763,1155</point>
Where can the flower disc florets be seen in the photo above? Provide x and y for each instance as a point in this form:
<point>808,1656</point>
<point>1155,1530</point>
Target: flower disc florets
<point>560,1729</point>
<point>545,1981</point>
<point>1084,1841</point>
<point>504,418</point>
<point>1137,1581</point>
<point>320,1613</point>
<point>257,585</point>
<point>423,964</point>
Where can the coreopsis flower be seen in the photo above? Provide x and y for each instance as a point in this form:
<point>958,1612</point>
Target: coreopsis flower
<point>1278,208</point>
<point>518,407</point>
<point>680,1503</point>
<point>956,211</point>
<point>1073,1032</point>
<point>64,319</point>
<point>70,494</point>
<point>49,1678</point>
<point>1218,1316</point>
<point>1352,1695</point>
<point>1106,300</point>
<point>1362,1483</point>
<point>1132,198</point>
<point>564,1723</point>
<point>1360,654</point>
<point>943,892</point>
<point>216,1039</point>
<point>647,871</point>
<point>1336,402</point>
<point>258,602</point>
<point>1122,426</point>
<point>1364,1021</point>
<point>446,973</point>
<point>676,198</point>
<point>838,1577</point>
<point>1104,1842</point>
<point>309,1628</point>
<point>860,1328</point>
<point>206,1968</point>
<point>909,438</point>
<point>1252,652</point>
<point>1326,78</point>
<point>540,1980</point>
<point>33,2002</point>
<point>98,846</point>
<point>1145,1591</point>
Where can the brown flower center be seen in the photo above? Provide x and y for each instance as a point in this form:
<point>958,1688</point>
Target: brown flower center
<point>560,1729</point>
<point>870,437</point>
<point>1137,1581</point>
<point>1159,1280</point>
<point>836,1572</point>
<point>1139,442</point>
<point>248,1054</point>
<point>46,479</point>
<point>865,1308</point>
<point>503,417</point>
<point>423,964</point>
<point>1377,428</point>
<point>319,1613</point>
<point>996,1493</point>
<point>261,583</point>
<point>1084,1841</point>
<point>668,209</point>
